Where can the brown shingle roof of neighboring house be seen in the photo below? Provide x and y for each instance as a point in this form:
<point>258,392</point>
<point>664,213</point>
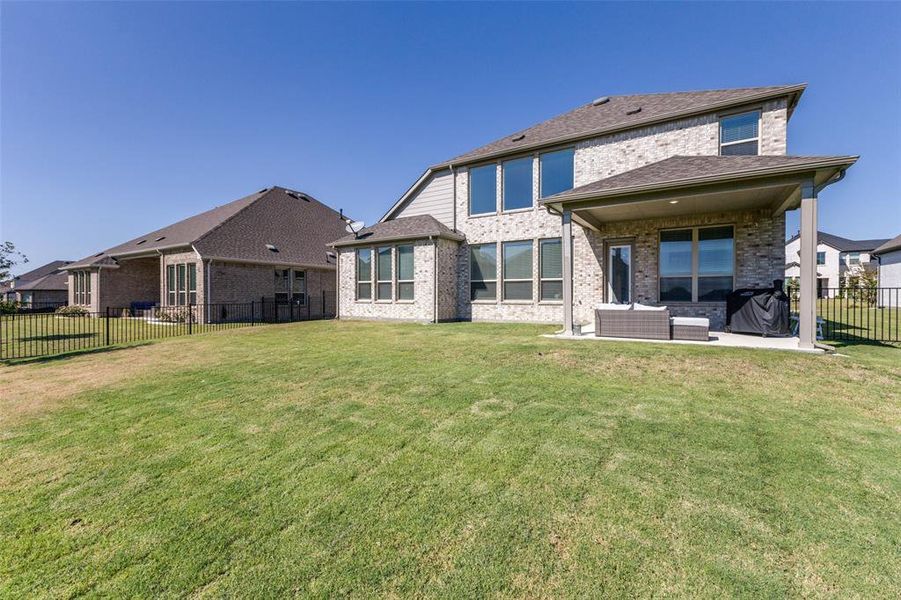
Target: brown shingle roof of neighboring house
<point>58,280</point>
<point>295,224</point>
<point>889,246</point>
<point>42,271</point>
<point>404,228</point>
<point>679,171</point>
<point>843,244</point>
<point>625,112</point>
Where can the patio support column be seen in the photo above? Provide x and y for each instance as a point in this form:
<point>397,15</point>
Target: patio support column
<point>807,307</point>
<point>566,241</point>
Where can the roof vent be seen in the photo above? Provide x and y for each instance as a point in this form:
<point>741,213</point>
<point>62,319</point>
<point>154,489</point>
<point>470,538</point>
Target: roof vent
<point>263,190</point>
<point>518,137</point>
<point>271,248</point>
<point>634,111</point>
<point>98,254</point>
<point>297,195</point>
<point>331,256</point>
<point>141,242</point>
<point>159,239</point>
<point>601,100</point>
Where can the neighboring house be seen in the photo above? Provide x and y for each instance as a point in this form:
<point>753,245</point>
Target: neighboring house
<point>673,199</point>
<point>271,244</point>
<point>837,259</point>
<point>889,257</point>
<point>45,286</point>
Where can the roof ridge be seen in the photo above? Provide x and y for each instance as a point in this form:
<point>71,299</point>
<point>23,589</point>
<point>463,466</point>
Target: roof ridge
<point>727,89</point>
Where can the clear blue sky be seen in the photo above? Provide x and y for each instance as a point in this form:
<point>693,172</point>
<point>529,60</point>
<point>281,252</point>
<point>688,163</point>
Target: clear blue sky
<point>119,118</point>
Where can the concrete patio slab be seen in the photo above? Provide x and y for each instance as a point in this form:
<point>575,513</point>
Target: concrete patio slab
<point>718,339</point>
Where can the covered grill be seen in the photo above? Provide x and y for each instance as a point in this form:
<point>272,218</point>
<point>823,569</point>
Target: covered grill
<point>763,311</point>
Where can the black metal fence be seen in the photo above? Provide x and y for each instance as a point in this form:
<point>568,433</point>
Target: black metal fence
<point>856,314</point>
<point>30,335</point>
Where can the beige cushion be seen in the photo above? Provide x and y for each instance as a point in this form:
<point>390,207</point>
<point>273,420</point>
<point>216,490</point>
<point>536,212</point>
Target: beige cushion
<point>693,321</point>
<point>638,306</point>
<point>611,306</point>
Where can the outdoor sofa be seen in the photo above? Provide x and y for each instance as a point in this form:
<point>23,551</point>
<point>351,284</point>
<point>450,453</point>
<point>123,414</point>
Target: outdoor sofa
<point>647,322</point>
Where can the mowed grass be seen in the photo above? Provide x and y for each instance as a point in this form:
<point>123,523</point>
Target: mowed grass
<point>462,460</point>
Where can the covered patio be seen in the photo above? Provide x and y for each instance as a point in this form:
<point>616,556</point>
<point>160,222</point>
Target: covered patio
<point>750,194</point>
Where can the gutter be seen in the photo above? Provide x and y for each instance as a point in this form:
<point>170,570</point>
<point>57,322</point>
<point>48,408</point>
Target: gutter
<point>249,261</point>
<point>399,238</point>
<point>844,161</point>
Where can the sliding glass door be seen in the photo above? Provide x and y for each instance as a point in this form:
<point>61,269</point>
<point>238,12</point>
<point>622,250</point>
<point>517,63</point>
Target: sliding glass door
<point>619,273</point>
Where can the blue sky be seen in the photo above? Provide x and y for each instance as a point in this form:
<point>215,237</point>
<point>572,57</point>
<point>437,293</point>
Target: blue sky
<point>119,118</point>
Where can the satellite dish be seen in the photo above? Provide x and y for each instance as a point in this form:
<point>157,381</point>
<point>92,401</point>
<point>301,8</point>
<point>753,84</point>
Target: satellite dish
<point>355,227</point>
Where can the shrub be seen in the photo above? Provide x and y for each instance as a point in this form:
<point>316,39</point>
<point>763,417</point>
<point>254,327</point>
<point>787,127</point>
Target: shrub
<point>72,311</point>
<point>8,308</point>
<point>175,314</point>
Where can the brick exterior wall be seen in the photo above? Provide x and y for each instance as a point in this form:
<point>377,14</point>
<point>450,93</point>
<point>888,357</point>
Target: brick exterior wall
<point>135,280</point>
<point>759,256</point>
<point>758,245</point>
<point>245,282</point>
<point>175,258</point>
<point>422,307</point>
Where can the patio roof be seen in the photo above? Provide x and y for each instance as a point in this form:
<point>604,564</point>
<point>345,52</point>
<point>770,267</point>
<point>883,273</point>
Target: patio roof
<point>684,185</point>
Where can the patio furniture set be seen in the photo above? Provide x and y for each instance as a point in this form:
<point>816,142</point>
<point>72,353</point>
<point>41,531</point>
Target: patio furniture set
<point>640,321</point>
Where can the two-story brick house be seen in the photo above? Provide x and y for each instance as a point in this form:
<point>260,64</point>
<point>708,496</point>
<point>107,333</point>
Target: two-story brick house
<point>668,199</point>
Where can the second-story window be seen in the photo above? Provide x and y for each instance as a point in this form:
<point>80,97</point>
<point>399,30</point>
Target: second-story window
<point>821,258</point>
<point>518,183</point>
<point>853,258</point>
<point>740,134</point>
<point>556,170</point>
<point>483,190</point>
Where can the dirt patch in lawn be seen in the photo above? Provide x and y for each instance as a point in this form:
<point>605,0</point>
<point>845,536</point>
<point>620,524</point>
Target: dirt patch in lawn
<point>30,389</point>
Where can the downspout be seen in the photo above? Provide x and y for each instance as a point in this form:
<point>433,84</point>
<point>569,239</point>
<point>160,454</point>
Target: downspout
<point>834,179</point>
<point>207,287</point>
<point>435,274</point>
<point>454,185</point>
<point>337,284</point>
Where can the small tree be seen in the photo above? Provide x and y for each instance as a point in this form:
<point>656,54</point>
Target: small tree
<point>9,257</point>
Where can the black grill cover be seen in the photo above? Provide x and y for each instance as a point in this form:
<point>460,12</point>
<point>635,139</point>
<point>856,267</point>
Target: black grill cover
<point>760,311</point>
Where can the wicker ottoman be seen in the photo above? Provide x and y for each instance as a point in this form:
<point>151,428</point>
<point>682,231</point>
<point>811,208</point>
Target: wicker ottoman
<point>694,329</point>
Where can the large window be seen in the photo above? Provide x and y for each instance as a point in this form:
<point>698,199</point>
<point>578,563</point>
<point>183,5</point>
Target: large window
<point>299,287</point>
<point>556,170</point>
<point>82,282</point>
<point>483,272</point>
<point>551,269</point>
<point>739,134</point>
<point>483,190</point>
<point>518,183</point>
<point>364,274</point>
<point>383,272</point>
<point>517,270</point>
<point>181,284</point>
<point>282,284</point>
<point>405,272</point>
<point>696,265</point>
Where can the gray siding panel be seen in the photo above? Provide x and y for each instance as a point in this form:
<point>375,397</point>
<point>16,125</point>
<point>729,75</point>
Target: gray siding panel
<point>435,197</point>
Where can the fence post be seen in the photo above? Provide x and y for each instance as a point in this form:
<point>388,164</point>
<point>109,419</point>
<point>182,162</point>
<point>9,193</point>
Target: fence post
<point>106,326</point>
<point>251,313</point>
<point>190,318</point>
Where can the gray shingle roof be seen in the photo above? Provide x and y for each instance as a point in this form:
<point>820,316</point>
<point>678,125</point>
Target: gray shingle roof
<point>42,271</point>
<point>58,280</point>
<point>844,244</point>
<point>298,225</point>
<point>889,246</point>
<point>681,170</point>
<point>404,228</point>
<point>624,112</point>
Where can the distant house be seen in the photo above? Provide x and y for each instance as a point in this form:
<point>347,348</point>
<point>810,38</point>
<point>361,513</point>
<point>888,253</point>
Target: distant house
<point>837,259</point>
<point>44,286</point>
<point>270,244</point>
<point>889,257</point>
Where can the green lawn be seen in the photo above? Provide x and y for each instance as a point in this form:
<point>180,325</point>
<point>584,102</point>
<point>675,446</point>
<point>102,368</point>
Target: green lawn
<point>849,320</point>
<point>462,460</point>
<point>30,335</point>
